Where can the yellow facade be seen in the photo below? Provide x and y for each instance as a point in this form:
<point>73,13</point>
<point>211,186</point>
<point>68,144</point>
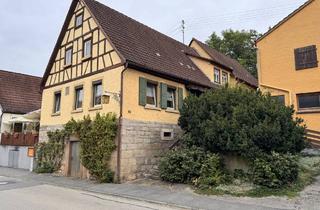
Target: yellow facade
<point>131,108</point>
<point>276,60</point>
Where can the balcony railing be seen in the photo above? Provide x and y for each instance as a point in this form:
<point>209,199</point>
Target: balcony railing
<point>19,139</point>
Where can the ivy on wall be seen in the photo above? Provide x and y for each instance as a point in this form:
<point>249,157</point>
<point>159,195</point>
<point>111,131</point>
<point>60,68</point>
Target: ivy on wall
<point>97,142</point>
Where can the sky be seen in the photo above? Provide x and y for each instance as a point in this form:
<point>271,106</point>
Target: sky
<point>29,29</point>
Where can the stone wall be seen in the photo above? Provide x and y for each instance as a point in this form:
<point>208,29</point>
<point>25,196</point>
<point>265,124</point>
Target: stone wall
<point>43,137</point>
<point>142,143</point>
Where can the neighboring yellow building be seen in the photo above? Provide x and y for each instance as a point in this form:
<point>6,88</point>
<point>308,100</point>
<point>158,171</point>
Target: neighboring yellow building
<point>288,63</point>
<point>105,62</point>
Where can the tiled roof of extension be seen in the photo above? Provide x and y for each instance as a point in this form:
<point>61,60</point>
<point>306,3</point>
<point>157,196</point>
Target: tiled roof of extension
<point>238,70</point>
<point>19,93</point>
<point>146,47</point>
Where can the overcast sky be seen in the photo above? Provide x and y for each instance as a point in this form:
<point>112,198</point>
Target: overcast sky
<point>29,29</point>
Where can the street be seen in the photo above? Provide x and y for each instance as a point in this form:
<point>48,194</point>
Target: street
<point>16,194</point>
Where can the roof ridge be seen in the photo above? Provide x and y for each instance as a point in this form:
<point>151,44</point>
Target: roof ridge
<point>140,23</point>
<point>12,72</point>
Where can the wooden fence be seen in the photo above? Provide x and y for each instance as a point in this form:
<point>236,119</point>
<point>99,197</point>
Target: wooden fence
<point>19,139</point>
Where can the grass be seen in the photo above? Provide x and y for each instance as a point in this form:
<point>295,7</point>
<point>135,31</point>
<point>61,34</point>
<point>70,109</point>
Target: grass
<point>309,169</point>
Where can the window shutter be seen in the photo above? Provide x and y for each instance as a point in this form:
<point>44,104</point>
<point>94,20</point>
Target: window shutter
<point>142,91</point>
<point>163,93</point>
<point>180,97</point>
<point>306,57</point>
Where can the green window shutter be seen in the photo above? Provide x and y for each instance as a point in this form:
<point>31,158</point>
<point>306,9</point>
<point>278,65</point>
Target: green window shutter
<point>163,97</point>
<point>180,97</point>
<point>142,91</point>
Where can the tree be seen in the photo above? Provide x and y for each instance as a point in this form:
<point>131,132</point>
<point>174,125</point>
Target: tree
<point>240,121</point>
<point>239,45</point>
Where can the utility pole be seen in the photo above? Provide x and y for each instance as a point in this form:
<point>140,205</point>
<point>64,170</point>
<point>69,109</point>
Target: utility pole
<point>183,27</point>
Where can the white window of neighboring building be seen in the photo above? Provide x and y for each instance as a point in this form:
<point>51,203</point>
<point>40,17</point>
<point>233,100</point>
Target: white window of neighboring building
<point>224,78</point>
<point>151,94</point>
<point>217,75</point>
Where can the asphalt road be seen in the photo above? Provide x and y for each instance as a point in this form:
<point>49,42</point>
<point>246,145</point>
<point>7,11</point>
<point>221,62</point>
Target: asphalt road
<point>16,194</point>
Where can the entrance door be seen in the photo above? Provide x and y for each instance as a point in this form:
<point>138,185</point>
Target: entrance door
<point>75,159</point>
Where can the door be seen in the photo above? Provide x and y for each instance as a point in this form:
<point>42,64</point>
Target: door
<point>13,161</point>
<point>75,159</point>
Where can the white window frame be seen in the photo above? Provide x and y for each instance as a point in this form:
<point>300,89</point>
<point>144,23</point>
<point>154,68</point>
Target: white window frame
<point>153,93</point>
<point>79,17</point>
<point>217,75</point>
<point>224,78</point>
<point>78,95</point>
<point>68,60</point>
<point>87,49</point>
<point>171,96</point>
<point>95,93</point>
<point>57,106</point>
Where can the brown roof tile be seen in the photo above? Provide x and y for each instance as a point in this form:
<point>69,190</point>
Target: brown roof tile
<point>144,46</point>
<point>19,93</point>
<point>238,70</point>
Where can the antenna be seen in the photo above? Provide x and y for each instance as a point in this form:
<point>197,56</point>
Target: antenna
<point>183,27</point>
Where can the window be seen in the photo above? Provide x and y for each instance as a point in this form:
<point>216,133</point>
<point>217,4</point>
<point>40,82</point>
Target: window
<point>78,98</point>
<point>57,102</point>
<point>306,57</point>
<point>224,78</point>
<point>68,57</point>
<point>171,100</point>
<point>280,99</point>
<point>87,48</point>
<point>217,75</point>
<point>151,94</point>
<point>310,100</point>
<point>17,127</point>
<point>97,93</point>
<point>79,20</point>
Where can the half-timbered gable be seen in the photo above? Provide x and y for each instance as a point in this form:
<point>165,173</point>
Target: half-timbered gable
<point>83,51</point>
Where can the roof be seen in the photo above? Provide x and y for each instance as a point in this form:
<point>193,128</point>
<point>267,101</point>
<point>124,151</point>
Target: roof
<point>142,46</point>
<point>238,70</point>
<point>19,93</point>
<point>285,19</point>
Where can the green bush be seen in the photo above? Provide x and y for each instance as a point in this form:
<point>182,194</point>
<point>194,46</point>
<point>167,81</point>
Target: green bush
<point>181,166</point>
<point>240,121</point>
<point>49,154</point>
<point>275,170</point>
<point>212,173</point>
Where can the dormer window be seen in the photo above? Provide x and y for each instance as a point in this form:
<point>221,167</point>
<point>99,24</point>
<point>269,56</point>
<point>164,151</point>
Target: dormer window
<point>87,48</point>
<point>68,57</point>
<point>79,20</point>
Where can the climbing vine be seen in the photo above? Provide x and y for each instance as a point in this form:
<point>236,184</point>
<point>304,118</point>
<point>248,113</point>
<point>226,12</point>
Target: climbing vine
<point>97,142</point>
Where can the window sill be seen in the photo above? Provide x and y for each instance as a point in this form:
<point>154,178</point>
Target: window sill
<point>172,111</point>
<point>55,114</point>
<point>150,107</point>
<point>77,111</point>
<point>308,111</point>
<point>86,58</point>
<point>96,108</point>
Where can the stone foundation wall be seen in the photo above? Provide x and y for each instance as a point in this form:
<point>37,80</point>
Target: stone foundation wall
<point>43,137</point>
<point>142,144</point>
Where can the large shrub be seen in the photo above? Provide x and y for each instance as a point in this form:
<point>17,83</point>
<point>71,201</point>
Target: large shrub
<point>240,121</point>
<point>181,166</point>
<point>275,170</point>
